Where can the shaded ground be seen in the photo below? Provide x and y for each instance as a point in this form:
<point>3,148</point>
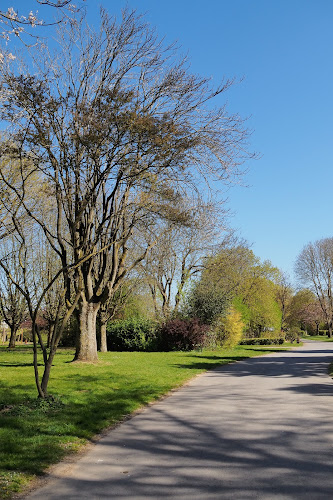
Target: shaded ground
<point>258,429</point>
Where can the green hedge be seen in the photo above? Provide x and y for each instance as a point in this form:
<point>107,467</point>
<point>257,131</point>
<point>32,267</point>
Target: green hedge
<point>262,341</point>
<point>146,335</point>
<point>133,334</point>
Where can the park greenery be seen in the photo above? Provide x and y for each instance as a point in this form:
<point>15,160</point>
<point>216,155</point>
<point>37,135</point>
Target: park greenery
<point>113,233</point>
<point>120,277</point>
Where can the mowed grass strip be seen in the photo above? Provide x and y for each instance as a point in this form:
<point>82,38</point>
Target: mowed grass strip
<point>321,338</point>
<point>87,399</point>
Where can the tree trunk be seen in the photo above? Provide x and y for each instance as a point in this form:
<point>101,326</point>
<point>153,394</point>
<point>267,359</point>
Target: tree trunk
<point>12,339</point>
<point>86,349</point>
<point>46,374</point>
<point>329,333</point>
<point>104,347</point>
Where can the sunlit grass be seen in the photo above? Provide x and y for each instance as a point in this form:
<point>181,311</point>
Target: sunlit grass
<point>321,338</point>
<point>86,399</point>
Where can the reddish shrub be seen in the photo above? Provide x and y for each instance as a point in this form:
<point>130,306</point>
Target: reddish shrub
<point>182,335</point>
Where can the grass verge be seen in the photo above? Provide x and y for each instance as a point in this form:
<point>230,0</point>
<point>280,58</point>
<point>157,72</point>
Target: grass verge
<point>321,338</point>
<point>35,434</point>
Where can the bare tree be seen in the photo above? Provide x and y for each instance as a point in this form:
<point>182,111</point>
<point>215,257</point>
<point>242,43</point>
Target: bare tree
<point>312,315</point>
<point>314,268</point>
<point>117,129</point>
<point>12,302</point>
<point>179,254</point>
<point>27,27</point>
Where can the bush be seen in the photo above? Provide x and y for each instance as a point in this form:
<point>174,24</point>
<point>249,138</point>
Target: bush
<point>263,341</point>
<point>134,334</point>
<point>293,334</point>
<point>229,328</point>
<point>182,335</point>
<point>69,336</point>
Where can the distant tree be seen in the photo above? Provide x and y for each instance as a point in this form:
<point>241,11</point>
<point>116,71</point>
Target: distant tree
<point>313,316</point>
<point>206,301</point>
<point>178,256</point>
<point>219,282</point>
<point>234,275</point>
<point>13,306</point>
<point>262,303</point>
<point>284,294</point>
<point>299,301</point>
<point>314,268</point>
<point>304,311</point>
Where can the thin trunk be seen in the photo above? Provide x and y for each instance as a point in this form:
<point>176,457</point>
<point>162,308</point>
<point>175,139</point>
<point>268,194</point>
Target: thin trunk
<point>46,374</point>
<point>330,328</point>
<point>35,351</point>
<point>86,349</point>
<point>104,346</point>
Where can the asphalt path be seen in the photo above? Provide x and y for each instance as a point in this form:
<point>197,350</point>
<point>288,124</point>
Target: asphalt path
<point>256,429</point>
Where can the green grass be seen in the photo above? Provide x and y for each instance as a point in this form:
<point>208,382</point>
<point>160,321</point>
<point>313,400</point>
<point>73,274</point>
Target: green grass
<point>87,399</point>
<point>322,338</point>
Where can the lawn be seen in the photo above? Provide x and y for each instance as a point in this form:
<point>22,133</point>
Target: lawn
<point>321,338</point>
<point>87,399</point>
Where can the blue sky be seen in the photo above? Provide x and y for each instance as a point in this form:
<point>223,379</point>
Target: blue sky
<point>284,51</point>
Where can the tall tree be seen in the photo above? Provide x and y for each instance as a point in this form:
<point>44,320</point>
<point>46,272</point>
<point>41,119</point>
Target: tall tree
<point>118,129</point>
<point>314,268</point>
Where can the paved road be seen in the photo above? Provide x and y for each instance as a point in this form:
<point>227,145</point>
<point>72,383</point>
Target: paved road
<point>257,429</point>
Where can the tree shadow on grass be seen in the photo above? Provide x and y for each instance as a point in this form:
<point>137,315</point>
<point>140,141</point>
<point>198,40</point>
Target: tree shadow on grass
<point>25,443</point>
<point>18,365</point>
<point>209,365</point>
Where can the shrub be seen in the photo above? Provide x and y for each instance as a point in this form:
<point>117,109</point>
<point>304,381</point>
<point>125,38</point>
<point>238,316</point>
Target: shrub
<point>263,341</point>
<point>69,336</point>
<point>229,328</point>
<point>134,334</point>
<point>182,335</point>
<point>293,334</point>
